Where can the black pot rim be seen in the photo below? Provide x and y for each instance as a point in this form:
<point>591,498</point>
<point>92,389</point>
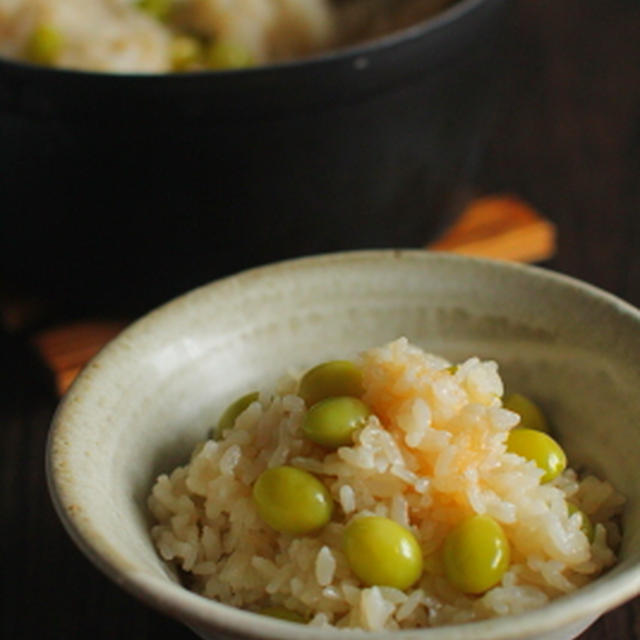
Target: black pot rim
<point>457,36</point>
<point>350,53</point>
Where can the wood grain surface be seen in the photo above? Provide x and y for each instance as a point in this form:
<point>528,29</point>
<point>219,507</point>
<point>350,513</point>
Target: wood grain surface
<point>566,139</point>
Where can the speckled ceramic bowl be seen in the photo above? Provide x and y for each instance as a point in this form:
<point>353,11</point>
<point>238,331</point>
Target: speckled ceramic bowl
<point>150,395</point>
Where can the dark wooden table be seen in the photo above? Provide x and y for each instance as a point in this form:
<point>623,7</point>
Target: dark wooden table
<point>567,139</point>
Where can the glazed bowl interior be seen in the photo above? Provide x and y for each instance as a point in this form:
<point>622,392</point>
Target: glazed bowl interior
<point>139,408</point>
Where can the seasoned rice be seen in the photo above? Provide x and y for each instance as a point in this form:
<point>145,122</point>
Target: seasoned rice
<point>432,454</point>
<point>175,35</point>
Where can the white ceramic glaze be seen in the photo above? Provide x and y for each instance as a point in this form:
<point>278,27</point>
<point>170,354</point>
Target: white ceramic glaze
<point>140,406</point>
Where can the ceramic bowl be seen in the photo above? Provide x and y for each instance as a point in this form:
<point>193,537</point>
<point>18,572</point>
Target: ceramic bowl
<point>141,405</point>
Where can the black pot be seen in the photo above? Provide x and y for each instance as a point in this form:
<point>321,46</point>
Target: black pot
<point>121,191</point>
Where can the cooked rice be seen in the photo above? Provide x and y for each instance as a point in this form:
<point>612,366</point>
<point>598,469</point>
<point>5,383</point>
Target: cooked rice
<point>433,454</point>
<point>116,35</point>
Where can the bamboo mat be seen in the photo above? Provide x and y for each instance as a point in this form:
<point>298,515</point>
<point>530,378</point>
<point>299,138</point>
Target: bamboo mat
<point>500,226</point>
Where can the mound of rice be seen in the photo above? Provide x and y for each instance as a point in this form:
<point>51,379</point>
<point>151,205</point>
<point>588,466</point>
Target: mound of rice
<point>433,454</point>
<point>121,36</point>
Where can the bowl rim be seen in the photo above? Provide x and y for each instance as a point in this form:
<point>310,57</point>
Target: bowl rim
<point>173,599</point>
<point>361,49</point>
